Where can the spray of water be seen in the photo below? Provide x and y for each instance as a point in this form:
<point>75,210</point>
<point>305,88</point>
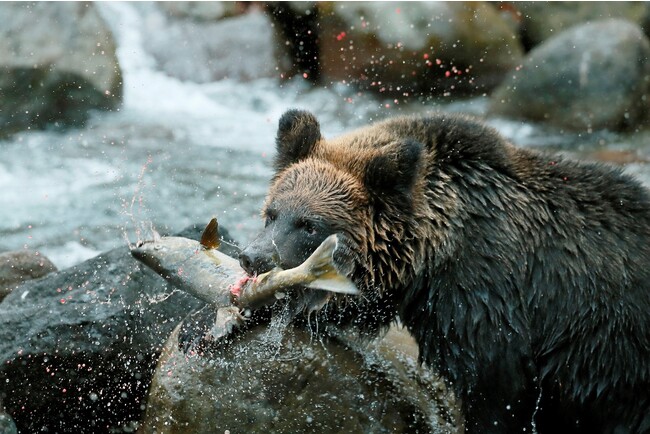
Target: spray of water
<point>133,209</point>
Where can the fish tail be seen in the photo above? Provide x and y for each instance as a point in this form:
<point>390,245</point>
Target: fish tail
<point>321,264</point>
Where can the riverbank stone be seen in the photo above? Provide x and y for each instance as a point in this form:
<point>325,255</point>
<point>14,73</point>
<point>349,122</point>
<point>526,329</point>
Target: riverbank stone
<point>406,49</point>
<point>542,21</point>
<point>593,76</point>
<point>239,47</point>
<point>57,62</point>
<point>20,266</point>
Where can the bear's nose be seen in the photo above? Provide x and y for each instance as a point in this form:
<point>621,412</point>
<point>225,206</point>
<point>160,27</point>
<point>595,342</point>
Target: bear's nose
<point>254,263</point>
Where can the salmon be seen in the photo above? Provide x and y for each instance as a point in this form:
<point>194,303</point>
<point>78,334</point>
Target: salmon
<point>198,268</point>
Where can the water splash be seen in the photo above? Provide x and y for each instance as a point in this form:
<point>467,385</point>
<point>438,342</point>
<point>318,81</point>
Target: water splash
<point>134,208</point>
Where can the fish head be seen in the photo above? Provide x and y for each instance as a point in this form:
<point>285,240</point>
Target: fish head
<point>160,252</point>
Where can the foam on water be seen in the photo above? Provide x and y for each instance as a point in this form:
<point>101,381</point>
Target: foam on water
<point>69,254</point>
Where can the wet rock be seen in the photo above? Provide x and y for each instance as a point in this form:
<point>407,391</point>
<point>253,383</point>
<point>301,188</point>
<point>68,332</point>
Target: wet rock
<point>7,425</point>
<point>57,62</point>
<point>78,348</point>
<point>243,47</point>
<point>424,48</point>
<point>286,381</point>
<point>592,76</point>
<point>20,266</point>
<point>541,21</point>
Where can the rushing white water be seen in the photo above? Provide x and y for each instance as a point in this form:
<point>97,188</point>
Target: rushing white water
<point>175,153</point>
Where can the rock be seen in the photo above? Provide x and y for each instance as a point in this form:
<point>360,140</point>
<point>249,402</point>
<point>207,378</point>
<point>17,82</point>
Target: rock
<point>592,76</point>
<point>20,266</point>
<point>243,47</point>
<point>541,21</point>
<point>57,62</point>
<point>298,24</point>
<point>203,10</point>
<point>416,48</point>
<point>78,348</point>
<point>7,425</point>
<point>285,381</point>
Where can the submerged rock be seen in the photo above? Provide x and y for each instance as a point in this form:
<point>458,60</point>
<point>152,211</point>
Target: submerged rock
<point>57,62</point>
<point>593,76</point>
<point>20,266</point>
<point>285,380</point>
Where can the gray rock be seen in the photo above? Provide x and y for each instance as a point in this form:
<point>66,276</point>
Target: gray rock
<point>592,76</point>
<point>543,20</point>
<point>427,48</point>
<point>243,47</point>
<point>20,266</point>
<point>78,347</point>
<point>284,380</point>
<point>57,62</point>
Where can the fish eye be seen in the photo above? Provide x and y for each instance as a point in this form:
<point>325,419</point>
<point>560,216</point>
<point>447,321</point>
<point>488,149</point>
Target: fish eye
<point>139,244</point>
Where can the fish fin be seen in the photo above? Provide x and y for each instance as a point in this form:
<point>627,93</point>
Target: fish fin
<point>321,262</point>
<point>210,237</point>
<point>322,265</point>
<point>336,283</point>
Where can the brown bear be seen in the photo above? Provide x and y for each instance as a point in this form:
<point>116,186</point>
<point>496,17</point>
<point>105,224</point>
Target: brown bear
<point>524,277</point>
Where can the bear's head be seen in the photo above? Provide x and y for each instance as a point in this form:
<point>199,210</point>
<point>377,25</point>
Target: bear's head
<point>360,186</point>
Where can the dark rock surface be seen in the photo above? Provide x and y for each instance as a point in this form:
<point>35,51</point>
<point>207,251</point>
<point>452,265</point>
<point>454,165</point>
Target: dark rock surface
<point>593,76</point>
<point>20,266</point>
<point>78,347</point>
<point>284,380</point>
<point>57,62</point>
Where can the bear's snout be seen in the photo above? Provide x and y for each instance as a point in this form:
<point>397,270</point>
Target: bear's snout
<point>254,262</point>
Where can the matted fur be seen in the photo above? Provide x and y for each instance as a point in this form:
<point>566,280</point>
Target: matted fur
<point>524,277</point>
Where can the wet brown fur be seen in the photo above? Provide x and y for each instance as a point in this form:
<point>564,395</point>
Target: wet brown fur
<point>524,277</point>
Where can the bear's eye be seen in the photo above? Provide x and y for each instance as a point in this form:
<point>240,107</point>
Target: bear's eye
<point>309,227</point>
<point>271,216</point>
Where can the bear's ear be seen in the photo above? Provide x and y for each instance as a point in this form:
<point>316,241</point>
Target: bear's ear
<point>394,169</point>
<point>298,132</point>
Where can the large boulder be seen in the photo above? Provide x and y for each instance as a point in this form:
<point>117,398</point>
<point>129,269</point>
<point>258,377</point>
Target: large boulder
<point>284,380</point>
<point>78,347</point>
<point>57,62</point>
<point>20,266</point>
<point>543,20</point>
<point>593,76</point>
<point>426,48</point>
<point>188,45</point>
